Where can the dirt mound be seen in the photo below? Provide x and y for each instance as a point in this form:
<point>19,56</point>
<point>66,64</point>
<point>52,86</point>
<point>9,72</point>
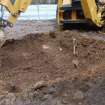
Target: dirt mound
<point>48,56</point>
<point>78,61</point>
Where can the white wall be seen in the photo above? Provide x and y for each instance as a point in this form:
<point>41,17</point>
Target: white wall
<point>38,12</point>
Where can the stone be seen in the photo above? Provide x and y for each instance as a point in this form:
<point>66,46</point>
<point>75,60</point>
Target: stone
<point>78,95</point>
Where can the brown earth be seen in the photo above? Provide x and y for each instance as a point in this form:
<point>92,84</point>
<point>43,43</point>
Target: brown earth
<point>53,68</point>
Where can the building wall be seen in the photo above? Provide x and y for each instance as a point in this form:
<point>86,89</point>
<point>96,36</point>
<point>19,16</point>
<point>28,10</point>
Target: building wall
<point>37,12</point>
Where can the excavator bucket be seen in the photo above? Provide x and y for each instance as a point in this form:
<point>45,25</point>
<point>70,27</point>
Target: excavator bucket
<point>15,8</point>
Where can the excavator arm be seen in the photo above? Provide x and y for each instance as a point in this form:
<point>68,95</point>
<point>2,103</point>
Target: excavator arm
<point>15,8</point>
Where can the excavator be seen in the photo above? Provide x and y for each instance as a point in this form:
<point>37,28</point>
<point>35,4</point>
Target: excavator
<point>68,11</point>
<point>15,8</point>
<point>91,12</point>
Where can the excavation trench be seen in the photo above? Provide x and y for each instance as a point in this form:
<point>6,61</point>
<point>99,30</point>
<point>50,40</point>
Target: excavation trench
<point>53,68</point>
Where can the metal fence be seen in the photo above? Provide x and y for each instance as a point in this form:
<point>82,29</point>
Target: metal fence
<point>38,12</point>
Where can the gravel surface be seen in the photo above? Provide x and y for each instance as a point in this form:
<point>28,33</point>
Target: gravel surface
<point>22,28</point>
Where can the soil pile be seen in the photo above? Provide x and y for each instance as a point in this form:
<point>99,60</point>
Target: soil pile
<point>71,66</point>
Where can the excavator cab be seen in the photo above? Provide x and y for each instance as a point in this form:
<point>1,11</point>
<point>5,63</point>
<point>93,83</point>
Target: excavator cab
<point>80,11</point>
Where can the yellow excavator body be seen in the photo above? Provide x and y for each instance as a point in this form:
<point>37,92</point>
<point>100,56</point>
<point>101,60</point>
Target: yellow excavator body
<point>81,11</point>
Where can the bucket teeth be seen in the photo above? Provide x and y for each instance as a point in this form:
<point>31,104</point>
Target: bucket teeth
<point>103,14</point>
<point>2,38</point>
<point>2,42</point>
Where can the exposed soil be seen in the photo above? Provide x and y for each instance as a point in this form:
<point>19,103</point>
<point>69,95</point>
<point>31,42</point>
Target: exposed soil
<point>53,68</point>
<point>41,66</point>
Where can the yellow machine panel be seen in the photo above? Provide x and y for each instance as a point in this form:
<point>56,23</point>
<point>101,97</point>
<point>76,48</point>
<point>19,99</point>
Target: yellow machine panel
<point>81,11</point>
